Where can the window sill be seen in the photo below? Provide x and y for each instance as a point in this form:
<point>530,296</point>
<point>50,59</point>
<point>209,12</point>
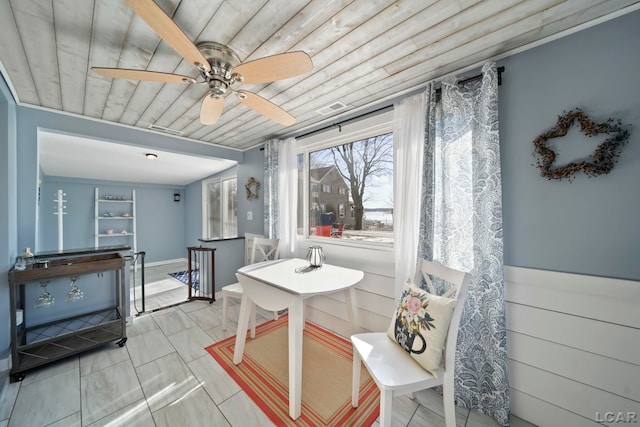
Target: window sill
<point>218,239</point>
<point>374,246</point>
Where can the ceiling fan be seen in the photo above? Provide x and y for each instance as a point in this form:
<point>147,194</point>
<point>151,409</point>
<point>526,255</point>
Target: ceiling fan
<point>220,68</point>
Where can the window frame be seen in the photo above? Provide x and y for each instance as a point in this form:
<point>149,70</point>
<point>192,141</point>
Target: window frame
<point>370,126</point>
<point>221,180</point>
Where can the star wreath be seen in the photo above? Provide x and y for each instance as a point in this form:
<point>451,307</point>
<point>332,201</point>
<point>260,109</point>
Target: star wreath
<point>252,188</point>
<point>601,160</point>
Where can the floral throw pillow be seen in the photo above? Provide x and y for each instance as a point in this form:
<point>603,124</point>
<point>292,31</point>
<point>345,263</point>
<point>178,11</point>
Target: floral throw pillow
<point>420,325</point>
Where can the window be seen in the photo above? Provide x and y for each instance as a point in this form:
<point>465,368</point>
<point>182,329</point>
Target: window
<point>220,207</point>
<point>358,164</point>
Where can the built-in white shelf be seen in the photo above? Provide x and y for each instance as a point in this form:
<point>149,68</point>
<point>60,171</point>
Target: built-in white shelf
<point>114,217</point>
<point>115,207</point>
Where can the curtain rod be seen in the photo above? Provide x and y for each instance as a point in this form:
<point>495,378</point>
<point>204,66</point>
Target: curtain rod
<point>386,107</point>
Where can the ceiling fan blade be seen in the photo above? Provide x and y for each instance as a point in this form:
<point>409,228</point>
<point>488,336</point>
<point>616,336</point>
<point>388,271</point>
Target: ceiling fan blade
<point>275,67</point>
<point>211,109</point>
<point>151,76</point>
<point>169,31</point>
<point>266,108</point>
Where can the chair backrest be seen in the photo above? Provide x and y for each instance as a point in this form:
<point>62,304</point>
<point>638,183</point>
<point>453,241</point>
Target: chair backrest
<point>264,249</point>
<point>459,282</point>
<point>248,246</point>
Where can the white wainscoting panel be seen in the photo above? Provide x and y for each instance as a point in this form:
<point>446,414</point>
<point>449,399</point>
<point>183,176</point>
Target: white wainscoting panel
<point>574,347</point>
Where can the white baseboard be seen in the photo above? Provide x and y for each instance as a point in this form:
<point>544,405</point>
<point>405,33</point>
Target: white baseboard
<point>163,262</point>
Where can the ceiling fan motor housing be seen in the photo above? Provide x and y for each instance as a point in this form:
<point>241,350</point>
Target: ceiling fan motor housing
<point>222,61</point>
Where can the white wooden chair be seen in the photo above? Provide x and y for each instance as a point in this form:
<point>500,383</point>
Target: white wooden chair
<point>263,250</point>
<point>395,372</point>
<point>248,246</point>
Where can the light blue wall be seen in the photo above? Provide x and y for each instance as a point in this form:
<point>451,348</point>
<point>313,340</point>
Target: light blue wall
<point>590,225</point>
<point>253,166</point>
<point>229,257</point>
<point>7,209</point>
<point>29,120</point>
<point>159,220</point>
<point>193,213</point>
<point>229,254</point>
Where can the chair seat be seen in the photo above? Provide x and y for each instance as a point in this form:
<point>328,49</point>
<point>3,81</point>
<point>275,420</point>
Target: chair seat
<point>234,288</point>
<point>377,350</point>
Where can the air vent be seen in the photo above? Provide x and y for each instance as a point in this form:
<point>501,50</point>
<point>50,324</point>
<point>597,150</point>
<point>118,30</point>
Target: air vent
<point>165,130</point>
<point>332,108</point>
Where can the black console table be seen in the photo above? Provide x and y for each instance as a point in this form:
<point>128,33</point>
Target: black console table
<point>36,345</point>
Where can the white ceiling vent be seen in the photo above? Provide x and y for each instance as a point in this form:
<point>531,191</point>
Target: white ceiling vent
<point>165,130</point>
<point>332,108</point>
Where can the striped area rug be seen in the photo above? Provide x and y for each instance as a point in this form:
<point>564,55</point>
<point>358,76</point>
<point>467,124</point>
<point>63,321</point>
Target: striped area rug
<point>326,376</point>
<point>183,276</point>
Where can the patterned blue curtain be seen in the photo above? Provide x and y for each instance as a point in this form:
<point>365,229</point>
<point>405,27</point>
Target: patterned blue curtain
<point>271,223</point>
<point>461,226</point>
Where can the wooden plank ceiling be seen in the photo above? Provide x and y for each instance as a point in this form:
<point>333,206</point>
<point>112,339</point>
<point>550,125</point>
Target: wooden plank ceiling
<point>364,52</point>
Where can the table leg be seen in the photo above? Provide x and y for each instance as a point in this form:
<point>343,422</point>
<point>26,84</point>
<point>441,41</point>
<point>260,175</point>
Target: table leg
<point>246,305</point>
<point>296,322</point>
<point>352,309</point>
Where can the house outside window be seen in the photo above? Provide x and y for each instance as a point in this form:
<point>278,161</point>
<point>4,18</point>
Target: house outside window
<point>358,167</point>
<point>220,207</point>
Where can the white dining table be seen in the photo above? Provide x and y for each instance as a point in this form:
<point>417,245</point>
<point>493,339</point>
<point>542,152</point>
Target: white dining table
<point>280,284</point>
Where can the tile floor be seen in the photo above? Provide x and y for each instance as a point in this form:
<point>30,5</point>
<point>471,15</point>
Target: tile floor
<point>164,377</point>
<point>161,290</point>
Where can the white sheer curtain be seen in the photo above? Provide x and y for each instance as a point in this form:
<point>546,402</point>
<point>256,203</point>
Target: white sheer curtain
<point>271,154</point>
<point>287,194</point>
<point>280,190</point>
<point>408,140</point>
